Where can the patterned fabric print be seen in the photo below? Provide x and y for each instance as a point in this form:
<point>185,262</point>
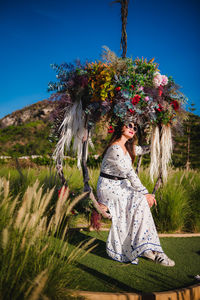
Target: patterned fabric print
<point>133,230</point>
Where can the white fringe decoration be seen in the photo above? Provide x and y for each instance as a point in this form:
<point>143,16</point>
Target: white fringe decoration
<point>72,126</point>
<point>155,153</point>
<point>166,149</point>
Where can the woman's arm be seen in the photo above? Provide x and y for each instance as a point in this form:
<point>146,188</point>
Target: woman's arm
<point>136,183</point>
<point>141,150</point>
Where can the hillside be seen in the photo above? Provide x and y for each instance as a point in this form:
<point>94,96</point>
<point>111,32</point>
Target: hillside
<point>39,111</point>
<point>27,132</point>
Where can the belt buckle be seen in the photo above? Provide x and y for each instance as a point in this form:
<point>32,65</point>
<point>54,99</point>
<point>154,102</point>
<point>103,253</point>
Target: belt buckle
<point>116,178</point>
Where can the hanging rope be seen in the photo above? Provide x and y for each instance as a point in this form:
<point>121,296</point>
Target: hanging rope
<point>124,15</point>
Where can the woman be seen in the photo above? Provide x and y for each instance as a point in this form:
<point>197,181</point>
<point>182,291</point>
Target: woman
<point>132,233</point>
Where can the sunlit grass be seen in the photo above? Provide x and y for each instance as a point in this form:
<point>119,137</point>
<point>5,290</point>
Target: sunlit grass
<point>178,200</point>
<point>35,259</point>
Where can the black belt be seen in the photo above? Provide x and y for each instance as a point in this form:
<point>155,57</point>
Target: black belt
<point>111,176</point>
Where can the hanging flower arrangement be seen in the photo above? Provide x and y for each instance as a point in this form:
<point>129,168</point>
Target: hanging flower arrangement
<point>118,89</point>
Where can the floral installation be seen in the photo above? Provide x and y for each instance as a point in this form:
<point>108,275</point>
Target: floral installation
<point>120,88</point>
<point>116,89</point>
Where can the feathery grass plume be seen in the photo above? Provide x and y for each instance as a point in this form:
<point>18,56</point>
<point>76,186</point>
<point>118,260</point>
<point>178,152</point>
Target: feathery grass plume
<point>6,188</point>
<point>5,237</point>
<point>33,247</point>
<point>20,217</point>
<point>118,64</point>
<point>38,286</point>
<point>44,249</point>
<point>60,207</point>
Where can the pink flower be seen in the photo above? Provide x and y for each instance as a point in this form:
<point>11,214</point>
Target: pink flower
<point>164,80</point>
<point>146,98</point>
<point>140,88</point>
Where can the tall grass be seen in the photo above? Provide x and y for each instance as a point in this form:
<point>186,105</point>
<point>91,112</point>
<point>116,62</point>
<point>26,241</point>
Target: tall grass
<point>178,200</point>
<point>178,206</point>
<point>35,259</point>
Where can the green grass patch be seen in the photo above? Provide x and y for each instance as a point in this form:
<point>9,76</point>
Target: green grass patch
<point>97,272</point>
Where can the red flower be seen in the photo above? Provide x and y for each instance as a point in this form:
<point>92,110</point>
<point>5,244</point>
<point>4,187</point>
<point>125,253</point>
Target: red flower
<point>175,105</point>
<point>160,107</point>
<point>118,88</point>
<point>131,111</point>
<point>132,86</point>
<point>135,99</point>
<point>110,129</point>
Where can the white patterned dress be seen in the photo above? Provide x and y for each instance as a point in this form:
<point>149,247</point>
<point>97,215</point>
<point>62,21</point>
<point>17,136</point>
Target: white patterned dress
<point>133,230</point>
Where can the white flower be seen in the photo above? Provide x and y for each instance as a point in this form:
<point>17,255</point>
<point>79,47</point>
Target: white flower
<point>157,80</point>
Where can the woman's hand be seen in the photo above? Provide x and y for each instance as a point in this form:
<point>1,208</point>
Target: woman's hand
<point>103,207</point>
<point>151,199</point>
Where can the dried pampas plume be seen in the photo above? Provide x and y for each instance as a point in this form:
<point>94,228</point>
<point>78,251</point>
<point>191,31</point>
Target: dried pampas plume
<point>161,151</point>
<point>73,125</point>
<point>166,149</point>
<point>155,153</point>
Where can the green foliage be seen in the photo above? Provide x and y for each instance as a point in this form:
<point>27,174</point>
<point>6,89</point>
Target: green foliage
<point>26,139</point>
<point>42,161</point>
<point>183,151</point>
<point>173,209</point>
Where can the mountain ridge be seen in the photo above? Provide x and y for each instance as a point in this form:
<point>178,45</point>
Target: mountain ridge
<point>40,110</point>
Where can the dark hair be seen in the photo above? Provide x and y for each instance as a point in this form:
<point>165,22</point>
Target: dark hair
<point>117,135</point>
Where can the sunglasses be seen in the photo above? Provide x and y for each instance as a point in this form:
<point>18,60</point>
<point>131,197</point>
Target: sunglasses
<point>131,126</point>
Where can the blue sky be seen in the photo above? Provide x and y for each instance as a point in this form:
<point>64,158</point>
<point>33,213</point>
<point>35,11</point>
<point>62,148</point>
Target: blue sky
<point>37,33</point>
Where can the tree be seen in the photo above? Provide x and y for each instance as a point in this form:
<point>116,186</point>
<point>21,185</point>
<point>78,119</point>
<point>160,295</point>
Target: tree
<point>187,144</point>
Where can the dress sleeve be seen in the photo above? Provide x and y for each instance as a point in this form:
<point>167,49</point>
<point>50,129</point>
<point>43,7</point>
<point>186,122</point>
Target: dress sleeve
<point>141,150</point>
<point>115,162</point>
<point>136,183</point>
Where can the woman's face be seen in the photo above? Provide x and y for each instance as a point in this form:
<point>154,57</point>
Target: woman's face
<point>129,130</point>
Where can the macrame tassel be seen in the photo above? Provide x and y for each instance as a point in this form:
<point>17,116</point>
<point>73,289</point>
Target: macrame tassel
<point>166,149</point>
<point>95,221</point>
<point>73,125</point>
<point>155,153</point>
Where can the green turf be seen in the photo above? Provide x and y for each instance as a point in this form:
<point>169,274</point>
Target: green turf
<point>97,272</point>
